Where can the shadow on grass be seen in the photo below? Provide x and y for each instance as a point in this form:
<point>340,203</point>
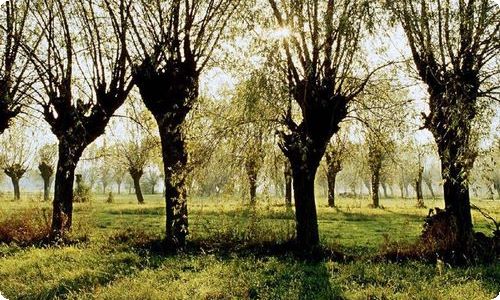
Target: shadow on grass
<point>315,283</point>
<point>306,271</point>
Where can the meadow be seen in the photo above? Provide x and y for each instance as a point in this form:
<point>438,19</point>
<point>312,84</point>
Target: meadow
<point>235,252</point>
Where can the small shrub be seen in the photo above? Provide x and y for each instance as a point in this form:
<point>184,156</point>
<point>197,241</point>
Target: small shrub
<point>27,227</point>
<point>82,192</point>
<point>110,198</point>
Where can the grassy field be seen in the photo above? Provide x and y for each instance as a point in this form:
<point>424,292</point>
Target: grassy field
<point>118,256</point>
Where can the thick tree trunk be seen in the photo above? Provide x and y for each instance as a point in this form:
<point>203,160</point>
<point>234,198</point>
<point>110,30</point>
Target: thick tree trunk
<point>457,201</point>
<point>15,184</point>
<point>305,206</point>
<point>174,162</point>
<point>46,188</point>
<point>288,184</point>
<point>331,176</point>
<point>170,94</point>
<point>62,213</point>
<point>375,186</point>
<point>119,187</point>
<point>136,178</point>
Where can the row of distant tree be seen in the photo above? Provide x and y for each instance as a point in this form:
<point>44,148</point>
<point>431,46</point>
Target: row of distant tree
<point>304,69</point>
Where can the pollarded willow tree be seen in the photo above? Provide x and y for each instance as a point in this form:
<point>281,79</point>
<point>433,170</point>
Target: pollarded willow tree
<point>382,112</point>
<point>13,65</point>
<point>335,154</point>
<point>455,49</point>
<point>173,41</point>
<point>47,156</point>
<point>15,155</point>
<point>82,54</point>
<point>322,55</point>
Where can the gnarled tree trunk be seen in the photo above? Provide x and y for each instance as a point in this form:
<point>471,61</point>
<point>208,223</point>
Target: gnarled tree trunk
<point>175,161</point>
<point>169,94</point>
<point>62,205</point>
<point>15,172</point>
<point>305,205</point>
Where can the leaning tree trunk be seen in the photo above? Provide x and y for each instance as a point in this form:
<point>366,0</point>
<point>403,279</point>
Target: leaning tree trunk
<point>428,183</point>
<point>175,168</point>
<point>288,183</point>
<point>136,175</point>
<point>62,214</point>
<point>375,185</point>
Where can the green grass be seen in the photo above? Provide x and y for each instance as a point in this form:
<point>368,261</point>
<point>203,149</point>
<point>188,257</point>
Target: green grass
<point>119,262</point>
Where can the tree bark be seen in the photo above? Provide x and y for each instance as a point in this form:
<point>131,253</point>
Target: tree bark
<point>174,162</point>
<point>428,183</point>
<point>331,177</point>
<point>62,213</point>
<point>170,94</point>
<point>418,188</point>
<point>46,171</point>
<point>15,184</point>
<point>46,189</point>
<point>251,170</point>
<point>305,206</point>
<point>457,201</point>
<point>136,178</point>
<point>375,185</point>
<point>288,183</point>
<point>15,172</point>
<point>333,167</point>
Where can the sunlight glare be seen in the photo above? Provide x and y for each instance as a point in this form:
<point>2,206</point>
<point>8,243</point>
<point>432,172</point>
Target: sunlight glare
<point>280,33</point>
